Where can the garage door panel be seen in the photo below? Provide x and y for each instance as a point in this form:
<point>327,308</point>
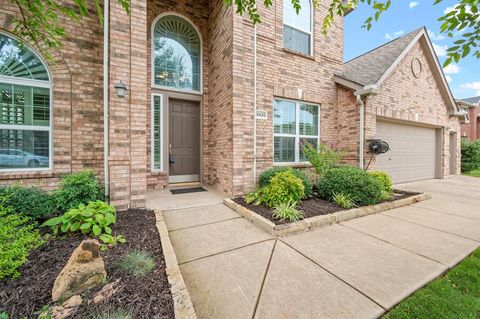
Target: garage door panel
<point>412,156</point>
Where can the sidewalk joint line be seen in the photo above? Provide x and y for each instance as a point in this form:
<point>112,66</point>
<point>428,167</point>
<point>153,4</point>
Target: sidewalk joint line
<point>224,251</point>
<point>336,276</point>
<point>437,210</point>
<point>264,279</point>
<point>200,225</point>
<point>186,207</point>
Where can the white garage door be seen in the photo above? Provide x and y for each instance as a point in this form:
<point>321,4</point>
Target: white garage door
<point>412,156</point>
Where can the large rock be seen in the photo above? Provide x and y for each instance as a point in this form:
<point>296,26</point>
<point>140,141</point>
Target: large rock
<point>84,270</point>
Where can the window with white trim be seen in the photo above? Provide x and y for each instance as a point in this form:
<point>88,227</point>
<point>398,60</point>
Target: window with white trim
<point>25,104</point>
<point>294,124</point>
<point>157,132</point>
<point>297,28</point>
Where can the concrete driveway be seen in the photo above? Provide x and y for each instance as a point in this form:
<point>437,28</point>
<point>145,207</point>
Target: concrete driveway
<point>356,269</point>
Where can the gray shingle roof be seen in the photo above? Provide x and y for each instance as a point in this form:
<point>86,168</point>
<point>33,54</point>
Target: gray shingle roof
<point>472,100</point>
<point>369,67</point>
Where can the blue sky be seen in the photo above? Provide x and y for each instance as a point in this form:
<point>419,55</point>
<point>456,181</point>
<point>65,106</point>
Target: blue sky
<point>405,16</point>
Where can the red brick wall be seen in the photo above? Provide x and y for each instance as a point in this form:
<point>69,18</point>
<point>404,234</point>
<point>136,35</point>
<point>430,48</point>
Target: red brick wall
<point>471,131</point>
<point>77,101</point>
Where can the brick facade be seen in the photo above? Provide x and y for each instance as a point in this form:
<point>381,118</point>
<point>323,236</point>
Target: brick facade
<point>471,131</point>
<point>227,99</point>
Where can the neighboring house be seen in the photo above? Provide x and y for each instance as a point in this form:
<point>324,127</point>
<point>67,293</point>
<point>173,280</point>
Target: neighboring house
<point>213,98</point>
<point>471,107</point>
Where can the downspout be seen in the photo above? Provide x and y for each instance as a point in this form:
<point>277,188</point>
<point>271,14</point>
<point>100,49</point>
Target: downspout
<point>366,90</point>
<point>362,131</point>
<point>255,104</point>
<point>106,150</point>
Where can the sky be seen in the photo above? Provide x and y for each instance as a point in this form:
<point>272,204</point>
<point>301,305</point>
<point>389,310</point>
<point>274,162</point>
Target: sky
<point>405,16</point>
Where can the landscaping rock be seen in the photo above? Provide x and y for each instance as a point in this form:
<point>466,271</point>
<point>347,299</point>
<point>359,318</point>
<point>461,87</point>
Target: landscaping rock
<point>84,270</point>
<point>106,293</point>
<point>67,308</point>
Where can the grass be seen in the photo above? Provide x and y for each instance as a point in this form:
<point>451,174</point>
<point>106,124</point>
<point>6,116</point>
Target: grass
<point>137,263</point>
<point>454,296</point>
<point>474,173</point>
<point>114,313</point>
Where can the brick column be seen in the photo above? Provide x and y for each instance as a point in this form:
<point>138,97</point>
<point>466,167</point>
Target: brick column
<point>128,116</point>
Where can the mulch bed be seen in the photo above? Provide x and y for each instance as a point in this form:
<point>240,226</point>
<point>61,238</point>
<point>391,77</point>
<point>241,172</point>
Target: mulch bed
<point>311,207</point>
<point>147,297</point>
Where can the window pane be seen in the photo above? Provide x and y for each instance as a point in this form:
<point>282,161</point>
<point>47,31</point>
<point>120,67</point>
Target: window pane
<point>302,20</point>
<point>308,122</point>
<point>303,141</point>
<point>157,132</point>
<point>24,105</point>
<point>284,149</point>
<point>296,40</point>
<point>24,149</point>
<point>284,117</point>
<point>176,54</point>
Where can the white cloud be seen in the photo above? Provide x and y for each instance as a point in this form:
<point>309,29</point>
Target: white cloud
<point>391,36</point>
<point>413,4</point>
<point>434,36</point>
<point>449,78</point>
<point>451,69</point>
<point>475,86</point>
<point>440,50</point>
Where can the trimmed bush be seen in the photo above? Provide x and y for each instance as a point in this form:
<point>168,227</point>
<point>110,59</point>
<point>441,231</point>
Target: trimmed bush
<point>78,188</point>
<point>284,188</point>
<point>28,201</point>
<point>266,176</point>
<point>470,155</point>
<point>385,179</point>
<point>17,238</point>
<point>354,182</point>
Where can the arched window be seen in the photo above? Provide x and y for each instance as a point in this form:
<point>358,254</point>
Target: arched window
<point>25,117</point>
<point>176,54</point>
<point>297,28</point>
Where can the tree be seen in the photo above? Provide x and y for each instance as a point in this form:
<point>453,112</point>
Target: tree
<point>40,19</point>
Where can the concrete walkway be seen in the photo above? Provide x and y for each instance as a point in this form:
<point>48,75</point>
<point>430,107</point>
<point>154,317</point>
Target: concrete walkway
<point>356,269</point>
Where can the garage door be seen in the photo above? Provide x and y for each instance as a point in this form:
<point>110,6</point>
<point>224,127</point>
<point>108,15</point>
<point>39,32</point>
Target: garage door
<point>412,155</point>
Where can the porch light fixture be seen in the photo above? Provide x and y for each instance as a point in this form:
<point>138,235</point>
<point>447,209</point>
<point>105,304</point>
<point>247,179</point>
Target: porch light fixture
<point>121,89</point>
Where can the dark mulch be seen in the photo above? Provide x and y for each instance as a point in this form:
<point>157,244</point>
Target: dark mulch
<point>311,207</point>
<point>147,297</point>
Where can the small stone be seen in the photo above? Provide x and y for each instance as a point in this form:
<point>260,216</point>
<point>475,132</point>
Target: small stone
<point>72,302</point>
<point>84,270</point>
<point>106,293</point>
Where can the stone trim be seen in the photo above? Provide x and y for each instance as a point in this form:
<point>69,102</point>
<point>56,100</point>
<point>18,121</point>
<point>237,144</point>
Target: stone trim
<point>319,221</point>
<point>181,298</point>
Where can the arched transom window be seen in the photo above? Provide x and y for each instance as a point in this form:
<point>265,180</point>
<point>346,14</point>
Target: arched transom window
<point>297,28</point>
<point>25,122</point>
<point>176,54</point>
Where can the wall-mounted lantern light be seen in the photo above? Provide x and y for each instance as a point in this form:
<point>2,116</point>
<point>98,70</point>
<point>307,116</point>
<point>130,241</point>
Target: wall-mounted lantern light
<point>121,89</point>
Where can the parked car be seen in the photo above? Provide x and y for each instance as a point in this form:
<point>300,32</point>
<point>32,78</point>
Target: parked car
<point>12,158</point>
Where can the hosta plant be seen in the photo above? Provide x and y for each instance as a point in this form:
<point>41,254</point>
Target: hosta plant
<point>94,219</point>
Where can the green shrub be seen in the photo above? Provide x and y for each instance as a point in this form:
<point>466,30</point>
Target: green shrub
<point>323,158</point>
<point>94,219</point>
<point>266,176</point>
<point>385,179</point>
<point>28,201</point>
<point>284,188</point>
<point>138,263</point>
<point>3,315</point>
<point>17,238</point>
<point>344,201</point>
<point>470,155</point>
<point>354,182</point>
<point>78,188</point>
<point>287,211</point>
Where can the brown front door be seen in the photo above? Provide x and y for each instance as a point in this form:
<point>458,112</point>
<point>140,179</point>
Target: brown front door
<point>184,141</point>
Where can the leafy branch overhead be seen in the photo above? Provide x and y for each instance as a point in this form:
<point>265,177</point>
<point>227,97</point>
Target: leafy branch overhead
<point>41,20</point>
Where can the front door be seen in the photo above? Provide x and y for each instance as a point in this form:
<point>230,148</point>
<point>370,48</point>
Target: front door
<point>184,141</point>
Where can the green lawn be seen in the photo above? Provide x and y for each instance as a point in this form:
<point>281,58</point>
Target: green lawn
<point>475,173</point>
<point>454,296</point>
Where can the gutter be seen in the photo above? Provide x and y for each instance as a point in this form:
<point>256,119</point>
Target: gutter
<point>364,92</point>
<point>106,141</point>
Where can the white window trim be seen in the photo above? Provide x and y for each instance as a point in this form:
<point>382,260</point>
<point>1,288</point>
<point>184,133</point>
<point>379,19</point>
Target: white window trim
<point>152,56</point>
<point>310,32</point>
<point>39,84</point>
<point>297,135</point>
<point>152,142</point>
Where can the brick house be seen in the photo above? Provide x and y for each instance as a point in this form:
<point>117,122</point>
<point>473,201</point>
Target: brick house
<point>214,99</point>
<point>471,129</point>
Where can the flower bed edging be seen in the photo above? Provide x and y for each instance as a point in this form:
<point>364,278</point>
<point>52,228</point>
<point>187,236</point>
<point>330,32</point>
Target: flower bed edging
<point>181,298</point>
<point>322,220</point>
